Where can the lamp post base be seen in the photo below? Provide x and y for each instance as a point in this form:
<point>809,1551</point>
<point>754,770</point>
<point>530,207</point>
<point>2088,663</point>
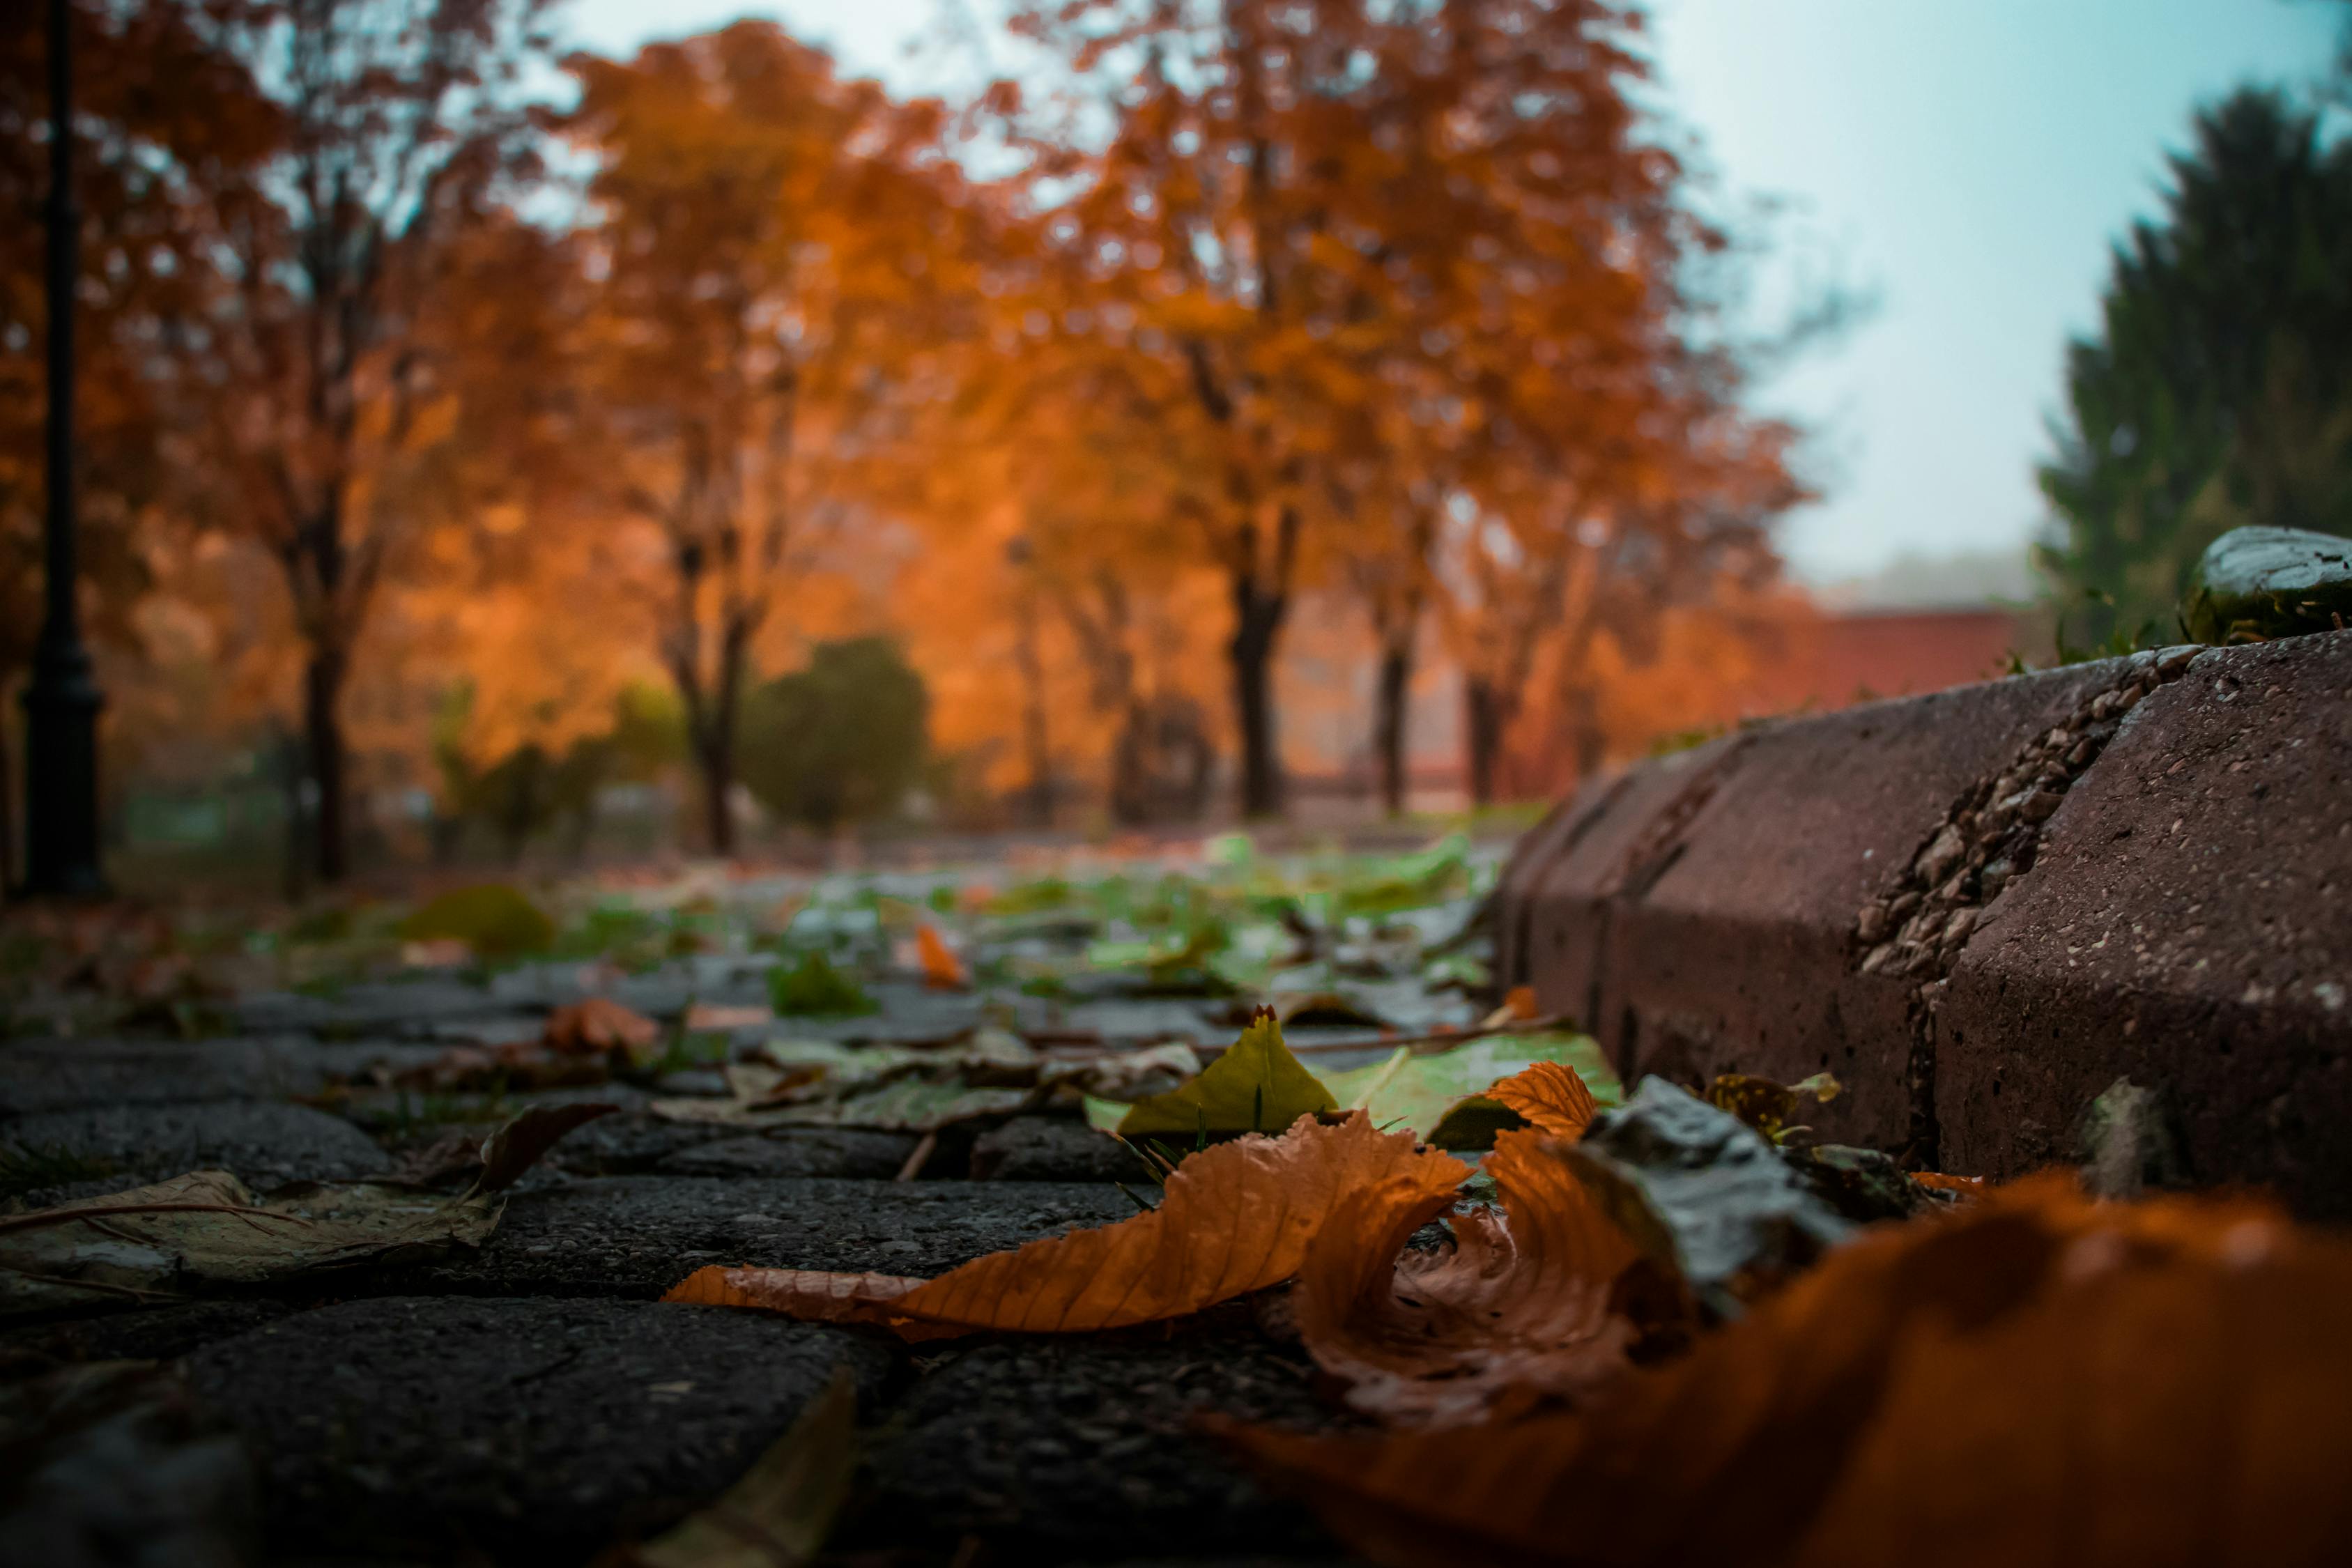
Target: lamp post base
<point>61,708</point>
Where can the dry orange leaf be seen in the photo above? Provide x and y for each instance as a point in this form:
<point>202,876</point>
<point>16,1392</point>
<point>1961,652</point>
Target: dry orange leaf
<point>2033,1380</point>
<point>1518,1007</point>
<point>1549,1096</point>
<point>810,1294</point>
<point>600,1024</point>
<point>943,970</point>
<point>1236,1217</point>
<point>1520,1306</point>
<point>1959,1186</point>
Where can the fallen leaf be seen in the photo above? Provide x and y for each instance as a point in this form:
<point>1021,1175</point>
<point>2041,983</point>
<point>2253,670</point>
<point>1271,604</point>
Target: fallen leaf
<point>2033,1379</point>
<point>1549,1096</point>
<point>206,1230</point>
<point>515,1065</point>
<point>899,1105</point>
<point>1519,1308</point>
<point>599,1027</point>
<point>1233,1218</point>
<point>907,1105</point>
<point>1444,1097</point>
<point>707,1018</point>
<point>1958,1186</point>
<point>1124,1074</point>
<point>1255,1084</point>
<point>1706,1195</point>
<point>1518,1007</point>
<point>812,1295</point>
<point>517,1146</point>
<point>493,919</point>
<point>1769,1107</point>
<point>815,987</point>
<point>943,970</point>
<point>779,1514</point>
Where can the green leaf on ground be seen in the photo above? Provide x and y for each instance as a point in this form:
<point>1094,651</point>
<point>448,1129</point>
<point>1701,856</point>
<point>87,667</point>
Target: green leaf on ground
<point>813,986</point>
<point>1257,1086</point>
<point>494,920</point>
<point>1440,1097</point>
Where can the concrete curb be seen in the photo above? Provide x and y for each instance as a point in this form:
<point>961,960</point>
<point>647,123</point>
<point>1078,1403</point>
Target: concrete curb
<point>1981,908</point>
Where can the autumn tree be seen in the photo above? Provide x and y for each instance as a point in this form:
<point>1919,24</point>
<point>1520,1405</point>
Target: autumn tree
<point>400,122</point>
<point>1189,233</point>
<point>776,261</point>
<point>1378,272</point>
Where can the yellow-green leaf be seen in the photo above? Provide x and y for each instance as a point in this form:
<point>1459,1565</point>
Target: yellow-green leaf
<point>1440,1097</point>
<point>1257,1086</point>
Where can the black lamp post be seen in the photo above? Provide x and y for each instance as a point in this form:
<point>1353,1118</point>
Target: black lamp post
<point>62,700</point>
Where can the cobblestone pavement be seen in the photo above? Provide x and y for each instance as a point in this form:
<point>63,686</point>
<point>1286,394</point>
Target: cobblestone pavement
<point>530,1400</point>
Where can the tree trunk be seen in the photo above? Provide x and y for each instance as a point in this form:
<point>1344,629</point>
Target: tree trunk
<point>1392,707</point>
<point>1035,741</point>
<point>714,749</point>
<point>1257,624</point>
<point>322,725</point>
<point>1486,712</point>
<point>285,759</point>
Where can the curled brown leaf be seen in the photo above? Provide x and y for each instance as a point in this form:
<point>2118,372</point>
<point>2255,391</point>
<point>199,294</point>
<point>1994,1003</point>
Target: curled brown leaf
<point>2031,1379</point>
<point>1519,1308</point>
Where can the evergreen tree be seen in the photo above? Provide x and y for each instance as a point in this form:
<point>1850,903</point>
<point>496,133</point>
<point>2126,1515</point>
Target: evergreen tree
<point>2218,392</point>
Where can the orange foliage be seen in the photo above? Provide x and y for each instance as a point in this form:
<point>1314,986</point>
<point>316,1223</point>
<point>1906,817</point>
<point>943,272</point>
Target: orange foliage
<point>1390,308</point>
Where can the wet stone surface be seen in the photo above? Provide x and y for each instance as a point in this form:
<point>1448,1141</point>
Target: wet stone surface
<point>638,1235</point>
<point>265,1142</point>
<point>1049,1149</point>
<point>1084,1449</point>
<point>530,1401</point>
<point>152,1333</point>
<point>62,1075</point>
<point>535,1430</point>
<point>796,1151</point>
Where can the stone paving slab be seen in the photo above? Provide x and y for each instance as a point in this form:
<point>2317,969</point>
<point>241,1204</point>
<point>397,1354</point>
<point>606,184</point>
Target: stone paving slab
<point>409,1007</point>
<point>265,1142</point>
<point>43,1075</point>
<point>149,1333</point>
<point>535,1430</point>
<point>1053,1448</point>
<point>796,1151</point>
<point>1049,1149</point>
<point>638,1235</point>
<point>629,1143</point>
<point>61,1074</point>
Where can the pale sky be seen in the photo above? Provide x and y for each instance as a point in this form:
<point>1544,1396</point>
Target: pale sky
<point>1970,162</point>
